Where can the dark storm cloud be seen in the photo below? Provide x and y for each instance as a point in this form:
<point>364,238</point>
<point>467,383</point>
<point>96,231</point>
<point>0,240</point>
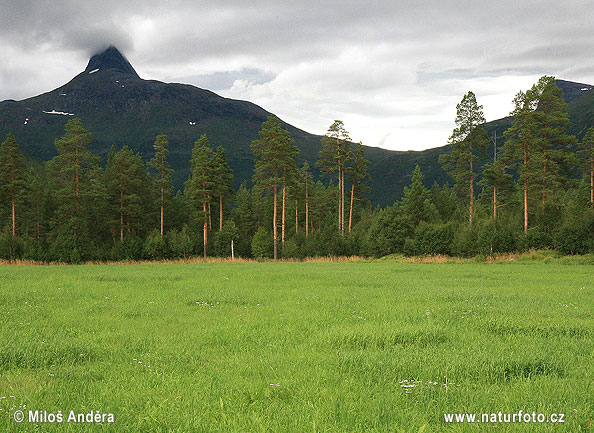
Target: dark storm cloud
<point>381,66</point>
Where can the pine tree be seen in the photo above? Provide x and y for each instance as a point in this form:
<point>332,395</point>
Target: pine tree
<point>125,177</point>
<point>356,173</point>
<point>34,201</point>
<point>288,180</point>
<point>551,141</point>
<point>200,186</point>
<point>520,143</point>
<point>416,201</point>
<point>296,192</point>
<point>333,159</point>
<point>12,176</point>
<point>163,179</point>
<point>223,176</point>
<point>496,177</point>
<point>468,138</point>
<point>586,154</point>
<point>72,174</point>
<point>307,186</point>
<point>274,154</point>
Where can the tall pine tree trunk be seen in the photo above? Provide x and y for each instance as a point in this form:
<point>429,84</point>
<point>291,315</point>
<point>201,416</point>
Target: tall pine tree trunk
<point>221,211</point>
<point>76,180</point>
<point>283,218</point>
<point>274,234</point>
<point>205,227</point>
<point>544,184</point>
<point>494,202</point>
<point>471,189</point>
<point>162,206</point>
<point>209,217</point>
<point>13,218</point>
<point>342,201</point>
<point>306,210</point>
<point>296,218</point>
<point>121,215</point>
<point>12,200</point>
<point>525,188</point>
<point>351,211</point>
<point>339,204</point>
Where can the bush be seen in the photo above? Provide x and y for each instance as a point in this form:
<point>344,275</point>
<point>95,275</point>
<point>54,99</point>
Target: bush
<point>130,248</point>
<point>33,250</point>
<point>155,246</point>
<point>536,238</point>
<point>576,236</point>
<point>465,241</point>
<point>292,250</point>
<point>10,248</point>
<point>221,240</point>
<point>262,244</point>
<point>180,243</point>
<point>388,233</point>
<point>433,239</point>
<point>495,237</point>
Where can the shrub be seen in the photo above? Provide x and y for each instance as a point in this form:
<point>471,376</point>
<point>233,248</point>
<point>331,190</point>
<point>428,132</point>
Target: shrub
<point>10,248</point>
<point>180,243</point>
<point>130,248</point>
<point>576,236</point>
<point>155,246</point>
<point>262,244</point>
<point>388,233</point>
<point>433,239</point>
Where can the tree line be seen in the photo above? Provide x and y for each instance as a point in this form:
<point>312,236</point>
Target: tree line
<point>530,195</point>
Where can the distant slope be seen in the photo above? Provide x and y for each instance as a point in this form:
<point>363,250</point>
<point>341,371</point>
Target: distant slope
<point>120,108</point>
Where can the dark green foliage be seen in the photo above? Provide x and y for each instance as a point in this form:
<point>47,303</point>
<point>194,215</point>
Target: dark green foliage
<point>155,246</point>
<point>128,188</point>
<point>274,155</point>
<point>11,248</point>
<point>417,203</point>
<point>12,178</point>
<point>163,177</point>
<point>262,244</point>
<point>468,141</point>
<point>131,248</point>
<point>121,109</point>
<point>223,178</point>
<point>221,240</point>
<point>388,232</point>
<point>74,212</point>
<point>180,243</point>
<point>200,187</point>
<point>586,156</point>
<point>432,239</point>
<point>73,177</point>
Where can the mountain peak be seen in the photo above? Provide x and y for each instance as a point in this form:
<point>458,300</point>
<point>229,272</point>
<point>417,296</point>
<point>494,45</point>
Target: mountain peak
<point>110,58</point>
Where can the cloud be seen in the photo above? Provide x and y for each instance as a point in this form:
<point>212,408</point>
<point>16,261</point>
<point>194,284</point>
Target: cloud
<point>393,71</point>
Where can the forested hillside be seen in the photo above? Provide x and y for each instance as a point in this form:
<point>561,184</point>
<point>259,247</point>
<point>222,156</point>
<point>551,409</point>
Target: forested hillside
<point>120,109</point>
<point>536,191</point>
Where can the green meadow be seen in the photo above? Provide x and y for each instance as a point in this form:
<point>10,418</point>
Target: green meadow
<point>373,346</point>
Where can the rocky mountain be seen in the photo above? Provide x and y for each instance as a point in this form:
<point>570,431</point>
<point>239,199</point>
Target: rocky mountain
<point>120,108</point>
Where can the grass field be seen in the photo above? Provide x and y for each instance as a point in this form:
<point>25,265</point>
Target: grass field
<point>297,347</point>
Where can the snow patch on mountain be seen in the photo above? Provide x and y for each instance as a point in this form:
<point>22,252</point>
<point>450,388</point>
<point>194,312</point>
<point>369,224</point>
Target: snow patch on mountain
<point>58,112</point>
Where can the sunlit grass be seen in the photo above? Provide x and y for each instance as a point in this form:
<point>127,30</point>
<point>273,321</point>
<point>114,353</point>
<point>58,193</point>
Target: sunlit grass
<point>297,347</point>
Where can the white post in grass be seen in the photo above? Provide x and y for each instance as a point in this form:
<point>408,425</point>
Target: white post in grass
<point>232,254</point>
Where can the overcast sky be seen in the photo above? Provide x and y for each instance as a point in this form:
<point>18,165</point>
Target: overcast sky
<point>393,71</point>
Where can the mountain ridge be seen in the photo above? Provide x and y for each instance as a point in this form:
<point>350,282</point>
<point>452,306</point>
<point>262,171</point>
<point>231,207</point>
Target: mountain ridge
<point>120,108</point>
